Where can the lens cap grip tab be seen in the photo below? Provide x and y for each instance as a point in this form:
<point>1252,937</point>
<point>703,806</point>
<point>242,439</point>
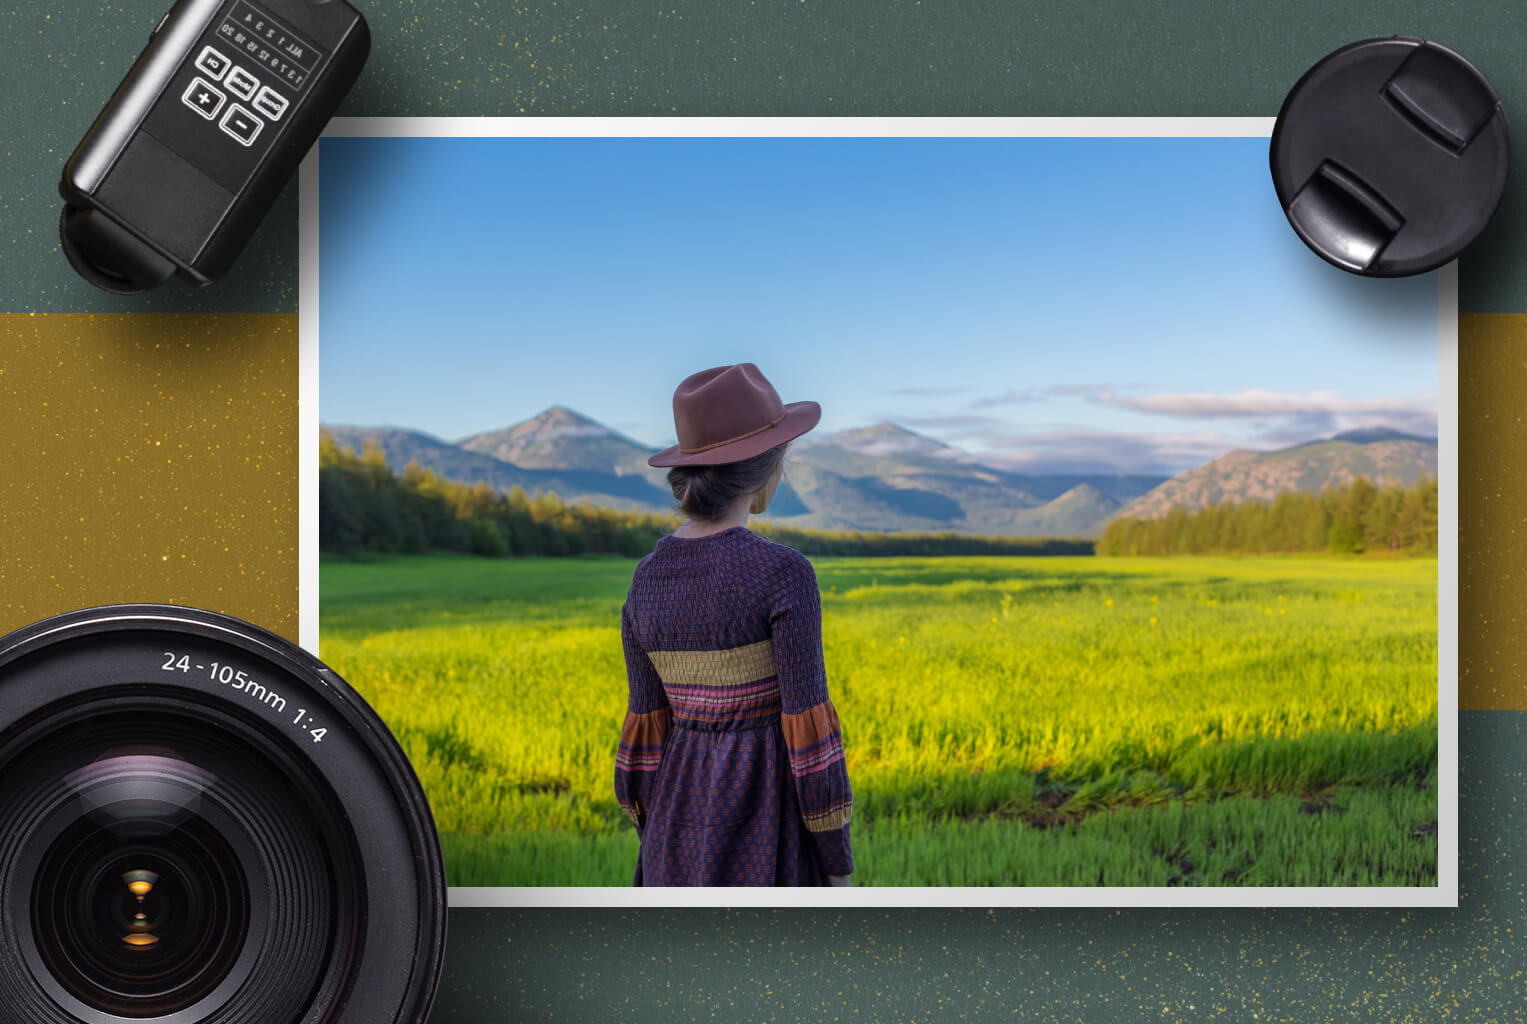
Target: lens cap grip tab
<point>1390,156</point>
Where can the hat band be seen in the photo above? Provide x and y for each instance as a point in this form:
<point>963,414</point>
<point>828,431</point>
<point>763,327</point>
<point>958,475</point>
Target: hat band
<point>731,440</point>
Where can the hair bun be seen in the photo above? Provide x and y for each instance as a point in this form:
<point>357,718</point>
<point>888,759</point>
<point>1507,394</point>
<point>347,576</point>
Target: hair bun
<point>709,493</point>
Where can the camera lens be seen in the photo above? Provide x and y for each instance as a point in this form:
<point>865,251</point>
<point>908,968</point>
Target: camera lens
<point>140,906</point>
<point>199,822</point>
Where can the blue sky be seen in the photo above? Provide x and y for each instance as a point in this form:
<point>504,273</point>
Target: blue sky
<point>1135,305</point>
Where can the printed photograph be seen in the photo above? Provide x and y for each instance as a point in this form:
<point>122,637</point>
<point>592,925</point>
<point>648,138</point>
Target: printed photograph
<point>880,512</point>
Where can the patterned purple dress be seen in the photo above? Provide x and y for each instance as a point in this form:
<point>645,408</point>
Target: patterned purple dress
<point>730,760</point>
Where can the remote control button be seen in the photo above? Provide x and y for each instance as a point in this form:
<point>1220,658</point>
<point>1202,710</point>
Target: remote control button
<point>241,83</point>
<point>270,103</point>
<point>210,61</point>
<point>203,98</point>
<point>241,125</point>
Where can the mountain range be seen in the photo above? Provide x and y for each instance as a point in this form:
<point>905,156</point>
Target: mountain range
<point>887,478</point>
<point>1383,456</point>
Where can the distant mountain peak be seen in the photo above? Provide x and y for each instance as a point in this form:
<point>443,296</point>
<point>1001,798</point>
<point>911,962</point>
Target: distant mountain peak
<point>560,421</point>
<point>561,438</point>
<point>1365,436</point>
<point>1081,492</point>
<point>1373,435</point>
<point>885,428</point>
<point>1080,511</point>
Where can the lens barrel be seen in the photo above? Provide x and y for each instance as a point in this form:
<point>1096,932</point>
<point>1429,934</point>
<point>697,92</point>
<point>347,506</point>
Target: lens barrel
<point>200,823</point>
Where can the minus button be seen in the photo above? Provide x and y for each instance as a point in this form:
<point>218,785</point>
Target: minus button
<point>241,125</point>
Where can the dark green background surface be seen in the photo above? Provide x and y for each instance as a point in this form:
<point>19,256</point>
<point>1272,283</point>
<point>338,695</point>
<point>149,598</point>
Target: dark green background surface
<point>941,57</point>
<point>688,57</point>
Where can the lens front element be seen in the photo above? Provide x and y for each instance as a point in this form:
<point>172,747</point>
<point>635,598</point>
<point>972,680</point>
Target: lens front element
<point>140,906</point>
<point>175,865</point>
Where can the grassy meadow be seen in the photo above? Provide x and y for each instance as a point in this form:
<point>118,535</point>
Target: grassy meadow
<point>1007,720</point>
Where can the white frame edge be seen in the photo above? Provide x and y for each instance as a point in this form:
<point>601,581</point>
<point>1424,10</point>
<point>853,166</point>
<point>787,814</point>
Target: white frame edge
<point>1444,894</point>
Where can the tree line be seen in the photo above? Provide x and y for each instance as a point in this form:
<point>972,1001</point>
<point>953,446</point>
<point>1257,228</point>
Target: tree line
<point>364,507</point>
<point>1352,518</point>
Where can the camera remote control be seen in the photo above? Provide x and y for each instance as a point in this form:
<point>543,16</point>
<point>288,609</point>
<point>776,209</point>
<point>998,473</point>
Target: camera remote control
<point>203,133</point>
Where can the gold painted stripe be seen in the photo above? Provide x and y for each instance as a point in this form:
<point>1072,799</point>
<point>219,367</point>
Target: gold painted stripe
<point>1491,616</point>
<point>158,449</point>
<point>734,667</point>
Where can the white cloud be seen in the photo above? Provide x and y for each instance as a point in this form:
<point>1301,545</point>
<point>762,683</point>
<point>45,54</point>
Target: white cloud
<point>1039,395</point>
<point>955,424</point>
<point>1258,419</point>
<point>927,392</point>
<point>1006,398</point>
<point>1262,403</point>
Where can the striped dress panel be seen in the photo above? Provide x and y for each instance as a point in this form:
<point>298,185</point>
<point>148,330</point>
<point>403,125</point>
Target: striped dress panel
<point>709,689</point>
<point>644,733</point>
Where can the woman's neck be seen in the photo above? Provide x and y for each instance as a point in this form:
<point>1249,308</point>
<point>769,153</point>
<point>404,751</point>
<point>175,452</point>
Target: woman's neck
<point>738,516</point>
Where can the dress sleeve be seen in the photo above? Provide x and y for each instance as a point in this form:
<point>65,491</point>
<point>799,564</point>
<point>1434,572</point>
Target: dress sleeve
<point>810,721</point>
<point>648,720</point>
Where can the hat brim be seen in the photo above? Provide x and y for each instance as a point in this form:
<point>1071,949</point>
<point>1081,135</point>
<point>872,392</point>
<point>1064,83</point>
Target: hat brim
<point>799,418</point>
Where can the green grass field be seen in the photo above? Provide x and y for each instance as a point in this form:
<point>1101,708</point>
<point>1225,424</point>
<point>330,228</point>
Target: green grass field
<point>1008,721</point>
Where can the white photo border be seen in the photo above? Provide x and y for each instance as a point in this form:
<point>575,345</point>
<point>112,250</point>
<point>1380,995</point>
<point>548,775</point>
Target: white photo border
<point>1444,894</point>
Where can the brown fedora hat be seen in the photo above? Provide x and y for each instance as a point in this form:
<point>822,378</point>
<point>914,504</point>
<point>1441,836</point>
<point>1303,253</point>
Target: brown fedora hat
<point>731,413</point>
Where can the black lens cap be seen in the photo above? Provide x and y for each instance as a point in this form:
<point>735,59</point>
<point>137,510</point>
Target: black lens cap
<point>1390,155</point>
